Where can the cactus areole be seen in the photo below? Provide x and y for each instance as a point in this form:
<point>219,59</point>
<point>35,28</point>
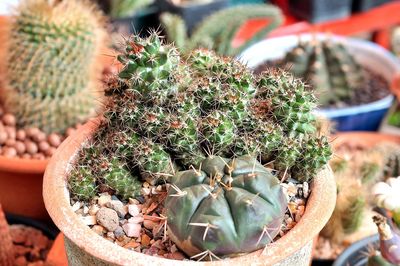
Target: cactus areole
<point>225,208</point>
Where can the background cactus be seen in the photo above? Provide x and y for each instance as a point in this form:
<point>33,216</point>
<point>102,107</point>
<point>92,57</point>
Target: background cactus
<point>51,69</point>
<point>124,8</point>
<point>212,34</point>
<point>328,66</point>
<point>166,112</point>
<point>227,207</point>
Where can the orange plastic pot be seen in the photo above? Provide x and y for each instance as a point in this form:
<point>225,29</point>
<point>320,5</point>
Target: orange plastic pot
<point>21,179</point>
<point>85,247</point>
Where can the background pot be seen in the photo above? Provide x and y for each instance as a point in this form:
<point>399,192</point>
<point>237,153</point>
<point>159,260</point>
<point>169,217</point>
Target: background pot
<point>362,117</point>
<point>355,254</point>
<point>85,247</point>
<point>364,5</point>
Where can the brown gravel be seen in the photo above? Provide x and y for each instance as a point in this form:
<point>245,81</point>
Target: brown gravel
<point>30,245</point>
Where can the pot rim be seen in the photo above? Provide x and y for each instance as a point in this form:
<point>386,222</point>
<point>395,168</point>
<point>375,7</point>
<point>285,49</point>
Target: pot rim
<point>20,165</point>
<point>252,58</point>
<point>56,198</point>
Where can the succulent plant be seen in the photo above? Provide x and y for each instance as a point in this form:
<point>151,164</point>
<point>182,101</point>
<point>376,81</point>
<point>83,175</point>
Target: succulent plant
<point>386,195</point>
<point>211,34</point>
<point>51,69</point>
<point>226,207</point>
<point>166,112</point>
<point>389,240</point>
<point>328,66</point>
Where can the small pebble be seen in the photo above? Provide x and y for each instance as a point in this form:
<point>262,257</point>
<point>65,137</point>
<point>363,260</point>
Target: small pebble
<point>11,132</point>
<point>9,120</point>
<point>3,137</point>
<point>44,146</point>
<point>119,233</point>
<point>21,134</point>
<point>94,209</point>
<point>54,140</point>
<point>31,132</point>
<point>50,151</point>
<point>10,142</point>
<point>31,147</point>
<point>98,229</point>
<point>89,220</point>
<point>20,147</point>
<point>117,206</point>
<point>103,199</point>
<point>136,219</point>
<point>108,218</point>
<point>133,209</point>
<point>132,230</point>
<point>77,205</point>
<point>149,224</point>
<point>9,152</point>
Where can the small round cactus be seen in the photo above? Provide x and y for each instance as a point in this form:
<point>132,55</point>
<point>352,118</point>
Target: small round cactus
<point>226,207</point>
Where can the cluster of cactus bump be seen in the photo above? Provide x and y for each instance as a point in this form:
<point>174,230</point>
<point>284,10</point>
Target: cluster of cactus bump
<point>225,207</point>
<point>166,112</point>
<point>218,31</point>
<point>328,66</point>
<point>52,77</point>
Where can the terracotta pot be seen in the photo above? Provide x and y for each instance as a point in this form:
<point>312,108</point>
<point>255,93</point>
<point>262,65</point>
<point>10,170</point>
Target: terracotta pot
<point>21,179</point>
<point>85,247</point>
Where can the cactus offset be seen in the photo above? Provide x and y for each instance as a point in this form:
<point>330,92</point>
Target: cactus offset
<point>227,207</point>
<point>328,66</point>
<point>52,73</point>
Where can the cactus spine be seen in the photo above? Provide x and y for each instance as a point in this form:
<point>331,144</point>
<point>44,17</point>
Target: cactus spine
<point>51,68</point>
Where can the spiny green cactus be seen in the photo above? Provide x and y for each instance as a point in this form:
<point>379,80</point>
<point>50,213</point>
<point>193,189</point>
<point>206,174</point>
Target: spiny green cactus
<point>212,34</point>
<point>52,68</point>
<point>166,112</point>
<point>328,66</point>
<point>82,184</point>
<point>225,208</point>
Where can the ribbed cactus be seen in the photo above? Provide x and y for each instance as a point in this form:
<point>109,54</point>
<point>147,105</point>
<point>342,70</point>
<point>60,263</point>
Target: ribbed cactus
<point>227,207</point>
<point>211,33</point>
<point>166,112</point>
<point>52,71</point>
<point>328,66</point>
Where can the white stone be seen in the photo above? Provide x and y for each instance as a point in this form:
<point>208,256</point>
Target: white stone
<point>89,220</point>
<point>133,209</point>
<point>132,230</point>
<point>103,199</point>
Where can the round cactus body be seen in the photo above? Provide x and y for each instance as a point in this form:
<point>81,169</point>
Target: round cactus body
<point>227,207</point>
<point>52,69</point>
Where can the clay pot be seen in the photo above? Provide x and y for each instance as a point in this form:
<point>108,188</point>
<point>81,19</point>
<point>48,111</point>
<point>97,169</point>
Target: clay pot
<point>21,179</point>
<point>85,247</point>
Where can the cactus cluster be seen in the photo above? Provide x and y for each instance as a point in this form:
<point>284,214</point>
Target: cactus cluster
<point>51,67</point>
<point>167,113</point>
<point>330,68</point>
<point>226,207</point>
<point>211,33</point>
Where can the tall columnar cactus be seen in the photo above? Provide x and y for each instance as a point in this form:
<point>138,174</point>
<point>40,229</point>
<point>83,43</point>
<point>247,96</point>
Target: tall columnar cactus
<point>166,112</point>
<point>224,208</point>
<point>51,67</point>
<point>328,66</point>
<point>211,33</point>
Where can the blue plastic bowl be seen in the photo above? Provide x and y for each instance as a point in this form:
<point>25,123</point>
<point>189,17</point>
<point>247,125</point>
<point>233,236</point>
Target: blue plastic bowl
<point>366,117</point>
